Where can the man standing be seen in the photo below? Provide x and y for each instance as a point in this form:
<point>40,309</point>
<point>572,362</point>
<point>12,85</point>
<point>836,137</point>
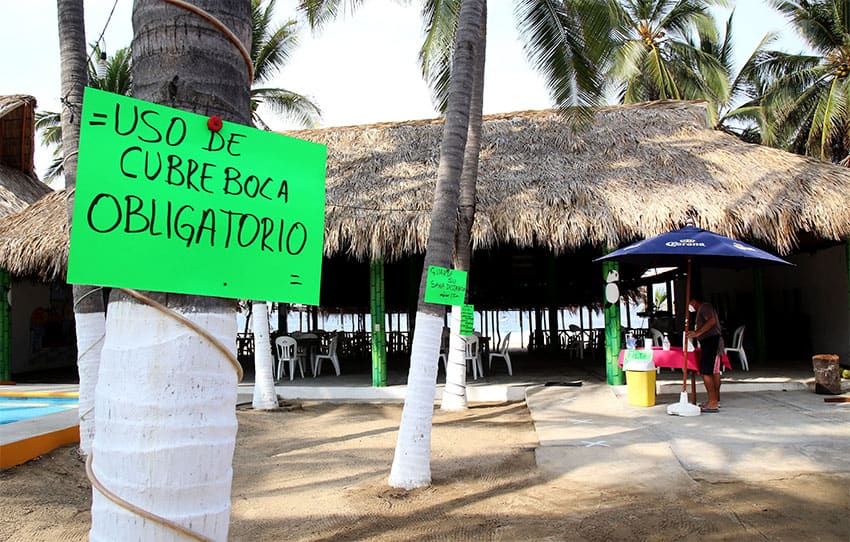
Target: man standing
<point>707,331</point>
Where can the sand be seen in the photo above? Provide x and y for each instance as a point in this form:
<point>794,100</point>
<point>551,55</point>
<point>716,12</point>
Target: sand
<point>318,471</point>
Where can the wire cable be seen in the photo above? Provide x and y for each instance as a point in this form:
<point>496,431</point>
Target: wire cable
<point>223,29</point>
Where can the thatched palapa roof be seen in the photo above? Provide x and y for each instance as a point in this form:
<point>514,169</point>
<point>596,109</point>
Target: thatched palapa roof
<point>18,190</point>
<point>18,185</point>
<point>637,171</point>
<point>34,242</point>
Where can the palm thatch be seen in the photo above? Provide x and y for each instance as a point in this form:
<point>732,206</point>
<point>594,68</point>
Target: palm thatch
<point>34,242</point>
<point>637,171</point>
<point>17,132</point>
<point>18,190</point>
<point>18,185</point>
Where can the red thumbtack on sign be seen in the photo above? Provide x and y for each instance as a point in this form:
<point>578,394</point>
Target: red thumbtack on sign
<point>214,123</point>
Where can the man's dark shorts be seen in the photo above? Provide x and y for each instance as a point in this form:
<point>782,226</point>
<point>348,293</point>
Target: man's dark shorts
<point>708,361</point>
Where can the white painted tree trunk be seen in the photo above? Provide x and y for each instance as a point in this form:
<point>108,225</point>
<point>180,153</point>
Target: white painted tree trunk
<point>265,396</point>
<point>412,462</point>
<point>91,328</point>
<point>166,424</point>
<point>454,393</point>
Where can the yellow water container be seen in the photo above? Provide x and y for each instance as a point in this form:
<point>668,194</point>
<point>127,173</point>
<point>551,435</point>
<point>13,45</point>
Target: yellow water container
<point>641,388</point>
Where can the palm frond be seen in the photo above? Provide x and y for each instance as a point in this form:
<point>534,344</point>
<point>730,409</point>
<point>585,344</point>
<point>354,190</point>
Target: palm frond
<point>557,40</point>
<point>287,104</point>
<point>321,12</point>
<point>271,47</point>
<point>440,19</point>
<point>814,21</point>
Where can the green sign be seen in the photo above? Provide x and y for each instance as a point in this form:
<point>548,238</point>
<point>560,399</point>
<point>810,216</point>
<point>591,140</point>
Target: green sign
<point>637,355</point>
<point>165,203</point>
<point>467,319</point>
<point>445,286</point>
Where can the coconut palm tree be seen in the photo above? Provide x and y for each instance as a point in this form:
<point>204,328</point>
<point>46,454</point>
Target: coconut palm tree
<point>115,78</point>
<point>438,46</point>
<point>653,57</point>
<point>167,444</point>
<point>741,113</point>
<point>88,303</point>
<point>558,45</point>
<point>265,396</point>
<point>806,103</point>
<point>271,48</point>
<point>412,461</point>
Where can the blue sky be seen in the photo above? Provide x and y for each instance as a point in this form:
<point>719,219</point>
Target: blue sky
<point>359,70</point>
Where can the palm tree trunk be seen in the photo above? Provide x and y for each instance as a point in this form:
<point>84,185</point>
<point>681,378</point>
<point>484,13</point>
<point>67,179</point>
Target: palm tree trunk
<point>89,319</point>
<point>265,396</point>
<point>412,462</point>
<point>90,325</point>
<point>454,393</point>
<point>167,444</point>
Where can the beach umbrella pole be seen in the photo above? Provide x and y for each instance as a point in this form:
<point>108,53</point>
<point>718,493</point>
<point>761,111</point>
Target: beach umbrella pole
<point>687,325</point>
<point>684,407</point>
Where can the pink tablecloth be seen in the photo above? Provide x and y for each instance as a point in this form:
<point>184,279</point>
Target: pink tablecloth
<point>672,358</point>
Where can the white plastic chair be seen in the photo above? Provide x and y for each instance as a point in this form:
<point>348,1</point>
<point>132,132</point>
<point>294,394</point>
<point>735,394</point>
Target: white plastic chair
<point>657,336</point>
<point>473,356</point>
<point>444,349</point>
<point>287,348</point>
<point>502,353</point>
<point>575,342</point>
<point>330,355</point>
<point>738,347</point>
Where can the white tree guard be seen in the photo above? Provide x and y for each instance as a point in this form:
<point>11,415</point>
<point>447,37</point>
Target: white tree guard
<point>91,328</point>
<point>454,393</point>
<point>412,462</point>
<point>265,396</point>
<point>166,425</point>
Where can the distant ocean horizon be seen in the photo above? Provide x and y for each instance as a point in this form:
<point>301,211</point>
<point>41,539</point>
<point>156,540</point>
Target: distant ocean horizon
<point>506,321</point>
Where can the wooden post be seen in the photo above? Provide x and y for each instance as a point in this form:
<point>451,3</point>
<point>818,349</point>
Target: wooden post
<point>847,246</point>
<point>5,332</point>
<point>554,341</point>
<point>521,329</point>
<point>761,328</point>
<point>282,317</point>
<point>379,337</point>
<point>612,333</point>
<point>538,328</point>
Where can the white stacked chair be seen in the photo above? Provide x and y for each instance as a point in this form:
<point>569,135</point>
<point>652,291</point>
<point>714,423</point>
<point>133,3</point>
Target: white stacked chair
<point>287,352</point>
<point>502,353</point>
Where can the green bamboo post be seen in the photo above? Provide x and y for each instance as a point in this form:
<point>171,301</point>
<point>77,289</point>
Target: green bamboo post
<point>612,333</point>
<point>379,337</point>
<point>847,246</point>
<point>5,332</point>
<point>761,328</point>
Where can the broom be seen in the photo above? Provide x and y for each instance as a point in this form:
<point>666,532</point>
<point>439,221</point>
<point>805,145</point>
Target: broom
<point>684,407</point>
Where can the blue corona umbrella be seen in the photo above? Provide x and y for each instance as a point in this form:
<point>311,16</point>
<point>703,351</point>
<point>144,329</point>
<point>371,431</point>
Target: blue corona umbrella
<point>675,248</point>
<point>690,245</point>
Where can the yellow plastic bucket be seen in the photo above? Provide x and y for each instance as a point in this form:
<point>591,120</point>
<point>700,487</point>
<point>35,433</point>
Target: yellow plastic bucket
<point>641,388</point>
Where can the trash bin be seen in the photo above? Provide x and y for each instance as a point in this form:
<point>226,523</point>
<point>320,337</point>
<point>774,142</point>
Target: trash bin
<point>827,374</point>
<point>640,377</point>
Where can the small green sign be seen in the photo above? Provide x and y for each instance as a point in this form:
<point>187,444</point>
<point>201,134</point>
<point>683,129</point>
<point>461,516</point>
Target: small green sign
<point>637,355</point>
<point>445,286</point>
<point>467,319</point>
<point>166,202</point>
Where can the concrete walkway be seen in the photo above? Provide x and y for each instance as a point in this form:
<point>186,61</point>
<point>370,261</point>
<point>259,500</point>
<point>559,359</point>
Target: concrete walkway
<point>591,434</point>
<point>769,425</point>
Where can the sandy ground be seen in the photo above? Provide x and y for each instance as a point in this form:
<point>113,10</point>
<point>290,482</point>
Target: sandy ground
<point>318,471</point>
